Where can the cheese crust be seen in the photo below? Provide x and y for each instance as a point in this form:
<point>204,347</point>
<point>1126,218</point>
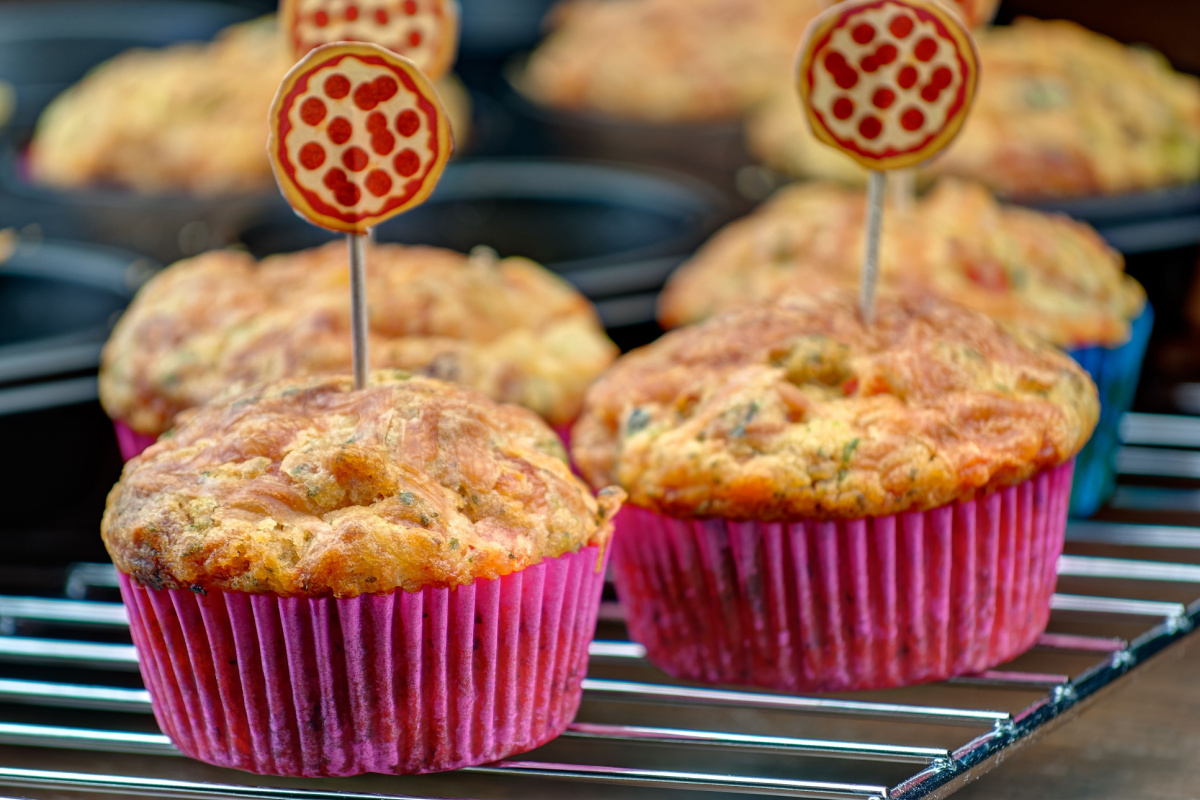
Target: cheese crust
<point>1042,273</point>
<point>308,488</point>
<point>794,410</point>
<point>508,328</point>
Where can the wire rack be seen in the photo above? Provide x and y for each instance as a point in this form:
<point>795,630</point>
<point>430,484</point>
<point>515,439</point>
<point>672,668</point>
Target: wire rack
<point>75,719</point>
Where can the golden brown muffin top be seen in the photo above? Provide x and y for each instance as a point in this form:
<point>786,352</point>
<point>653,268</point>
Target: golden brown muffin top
<point>1061,111</point>
<point>310,488</point>
<point>190,117</point>
<point>795,410</point>
<point>663,61</point>
<point>1043,273</point>
<point>508,328</point>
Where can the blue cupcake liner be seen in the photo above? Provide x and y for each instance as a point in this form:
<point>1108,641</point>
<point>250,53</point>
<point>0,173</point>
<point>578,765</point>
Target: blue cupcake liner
<point>1115,371</point>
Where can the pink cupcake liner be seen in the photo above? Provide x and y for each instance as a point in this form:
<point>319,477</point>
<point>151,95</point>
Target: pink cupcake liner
<point>130,441</point>
<point>870,603</point>
<point>397,683</point>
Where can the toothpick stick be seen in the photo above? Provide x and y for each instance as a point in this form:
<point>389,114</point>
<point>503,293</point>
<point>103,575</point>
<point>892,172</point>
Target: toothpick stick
<point>358,305</point>
<point>876,187</point>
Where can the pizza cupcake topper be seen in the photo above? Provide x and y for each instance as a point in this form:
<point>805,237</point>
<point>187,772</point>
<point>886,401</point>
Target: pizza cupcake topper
<point>357,136</point>
<point>426,31</point>
<point>976,13</point>
<point>889,83</point>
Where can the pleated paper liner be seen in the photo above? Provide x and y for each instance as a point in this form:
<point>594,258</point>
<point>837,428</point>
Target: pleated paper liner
<point>133,443</point>
<point>397,683</point>
<point>1115,371</point>
<point>842,605</point>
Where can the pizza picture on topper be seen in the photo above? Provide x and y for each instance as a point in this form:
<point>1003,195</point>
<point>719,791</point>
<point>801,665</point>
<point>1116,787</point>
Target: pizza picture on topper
<point>357,136</point>
<point>888,83</point>
<point>976,13</point>
<point>424,31</point>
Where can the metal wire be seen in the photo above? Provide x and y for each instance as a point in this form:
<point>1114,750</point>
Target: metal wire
<point>939,770</point>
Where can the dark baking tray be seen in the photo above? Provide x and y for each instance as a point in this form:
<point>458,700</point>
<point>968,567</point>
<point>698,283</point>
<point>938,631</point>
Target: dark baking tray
<point>1138,222</point>
<point>47,45</point>
<point>165,227</point>
<point>712,151</point>
<point>57,303</point>
<point>568,216</point>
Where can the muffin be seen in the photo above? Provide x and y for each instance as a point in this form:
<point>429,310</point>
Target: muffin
<point>326,582</point>
<point>1042,273</point>
<point>190,118</point>
<point>665,61</point>
<point>506,327</point>
<point>1061,112</point>
<point>815,505</point>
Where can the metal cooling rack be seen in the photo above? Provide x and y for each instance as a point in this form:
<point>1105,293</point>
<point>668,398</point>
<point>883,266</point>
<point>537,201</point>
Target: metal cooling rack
<point>68,682</point>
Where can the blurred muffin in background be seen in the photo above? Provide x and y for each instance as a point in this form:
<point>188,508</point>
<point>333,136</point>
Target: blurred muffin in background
<point>1044,273</point>
<point>507,328</point>
<point>188,118</point>
<point>1061,112</point>
<point>665,61</point>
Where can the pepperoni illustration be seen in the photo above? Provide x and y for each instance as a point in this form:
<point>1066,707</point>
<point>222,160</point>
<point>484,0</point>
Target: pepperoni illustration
<point>312,155</point>
<point>380,90</point>
<point>912,69</point>
<point>312,111</point>
<point>379,182</point>
<point>407,163</point>
<point>340,130</point>
<point>926,49</point>
<point>870,127</point>
<point>912,119</point>
<point>335,125</point>
<point>382,142</point>
<point>337,86</point>
<point>901,26</point>
<point>426,31</point>
<point>355,159</point>
<point>408,123</point>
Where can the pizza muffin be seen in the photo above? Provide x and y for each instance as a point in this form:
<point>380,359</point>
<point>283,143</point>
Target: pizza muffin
<point>1043,273</point>
<point>815,505</point>
<point>506,327</point>
<point>326,582</point>
<point>188,118</point>
<point>665,61</point>
<point>1061,111</point>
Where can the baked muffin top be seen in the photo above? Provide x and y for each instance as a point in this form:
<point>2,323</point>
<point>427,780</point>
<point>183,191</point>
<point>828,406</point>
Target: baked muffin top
<point>508,328</point>
<point>795,410</point>
<point>664,61</point>
<point>310,488</point>
<point>1061,111</point>
<point>190,117</point>
<point>1043,273</point>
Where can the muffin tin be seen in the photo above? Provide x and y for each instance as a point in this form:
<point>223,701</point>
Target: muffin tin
<point>47,45</point>
<point>568,216</point>
<point>57,303</point>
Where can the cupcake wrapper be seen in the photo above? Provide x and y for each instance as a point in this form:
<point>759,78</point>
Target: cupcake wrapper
<point>130,441</point>
<point>851,604</point>
<point>399,683</point>
<point>1115,371</point>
